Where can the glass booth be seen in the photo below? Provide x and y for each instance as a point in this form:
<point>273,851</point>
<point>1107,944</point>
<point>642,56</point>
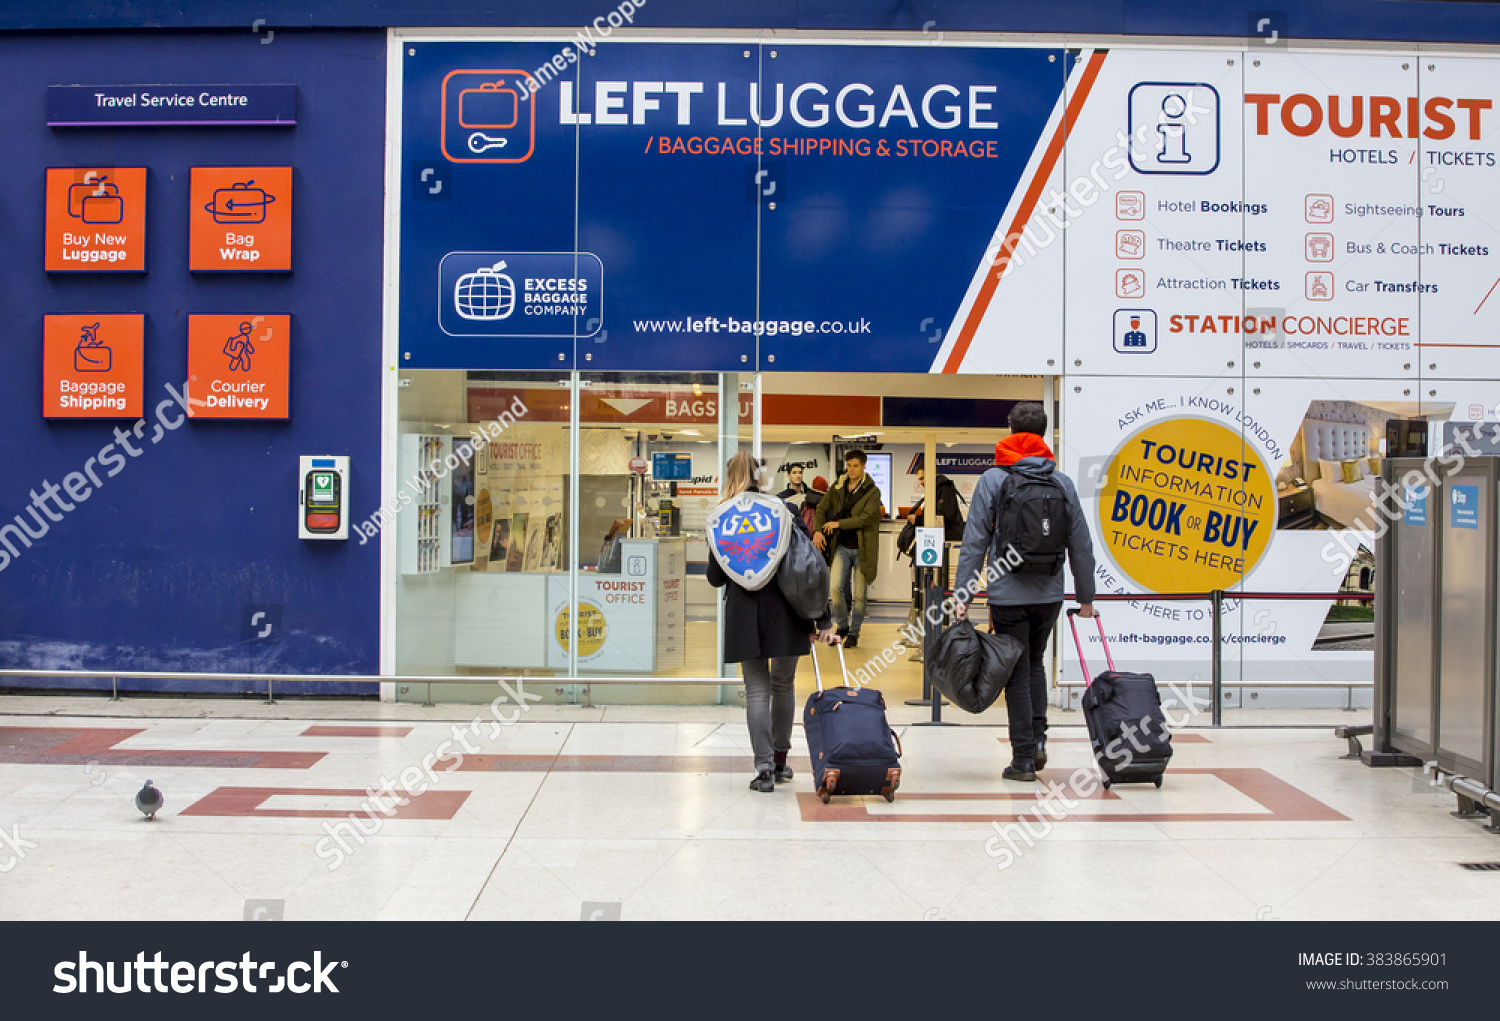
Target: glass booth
<point>555,529</point>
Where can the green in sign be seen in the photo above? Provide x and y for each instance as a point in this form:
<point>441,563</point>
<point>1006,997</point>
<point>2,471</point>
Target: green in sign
<point>322,490</point>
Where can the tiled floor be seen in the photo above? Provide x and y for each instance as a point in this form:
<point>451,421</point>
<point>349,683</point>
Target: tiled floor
<point>648,809</point>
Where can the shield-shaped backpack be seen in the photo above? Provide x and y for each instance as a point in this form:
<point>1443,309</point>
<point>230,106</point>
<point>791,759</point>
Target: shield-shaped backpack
<point>748,537</point>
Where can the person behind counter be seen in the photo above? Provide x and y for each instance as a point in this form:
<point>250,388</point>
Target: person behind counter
<point>796,490</point>
<point>609,553</point>
<point>764,635</point>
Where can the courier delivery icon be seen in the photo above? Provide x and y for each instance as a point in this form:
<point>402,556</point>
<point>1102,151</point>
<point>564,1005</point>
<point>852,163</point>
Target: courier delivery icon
<point>241,202</point>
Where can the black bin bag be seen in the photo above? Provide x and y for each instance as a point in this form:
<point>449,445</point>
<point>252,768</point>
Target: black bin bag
<point>970,667</point>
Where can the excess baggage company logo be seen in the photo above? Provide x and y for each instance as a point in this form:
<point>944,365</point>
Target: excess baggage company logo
<point>520,294</point>
<point>487,117</point>
<point>1174,128</point>
<point>1186,506</point>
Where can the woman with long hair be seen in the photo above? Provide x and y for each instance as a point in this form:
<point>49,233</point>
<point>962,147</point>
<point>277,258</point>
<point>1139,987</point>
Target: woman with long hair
<point>766,637</point>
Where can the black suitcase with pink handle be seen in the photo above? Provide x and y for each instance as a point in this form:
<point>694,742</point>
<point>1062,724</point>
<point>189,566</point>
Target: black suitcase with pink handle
<point>1126,725</point>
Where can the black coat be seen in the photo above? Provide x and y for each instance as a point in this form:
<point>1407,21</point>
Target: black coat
<point>761,624</point>
<point>948,508</point>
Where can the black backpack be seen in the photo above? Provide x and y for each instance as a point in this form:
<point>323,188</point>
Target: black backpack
<point>1033,516</point>
<point>949,500</point>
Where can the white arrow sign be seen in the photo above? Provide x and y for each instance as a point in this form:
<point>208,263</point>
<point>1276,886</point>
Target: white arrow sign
<point>626,406</point>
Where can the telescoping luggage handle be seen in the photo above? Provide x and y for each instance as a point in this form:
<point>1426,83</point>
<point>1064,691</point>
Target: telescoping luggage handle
<point>818,674</point>
<point>1073,612</point>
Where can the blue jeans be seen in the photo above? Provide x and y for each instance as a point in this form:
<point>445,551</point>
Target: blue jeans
<point>844,573</point>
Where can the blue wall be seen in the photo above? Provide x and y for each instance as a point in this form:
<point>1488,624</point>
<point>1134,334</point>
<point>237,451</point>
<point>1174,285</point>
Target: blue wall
<point>155,570</point>
<point>1406,20</point>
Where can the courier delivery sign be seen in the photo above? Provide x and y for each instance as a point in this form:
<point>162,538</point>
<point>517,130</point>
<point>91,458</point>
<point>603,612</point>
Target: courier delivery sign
<point>704,206</point>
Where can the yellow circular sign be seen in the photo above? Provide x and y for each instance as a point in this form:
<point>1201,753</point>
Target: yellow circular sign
<point>484,516</point>
<point>591,629</point>
<point>1187,506</point>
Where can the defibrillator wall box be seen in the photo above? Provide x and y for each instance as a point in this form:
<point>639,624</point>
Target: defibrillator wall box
<point>323,497</point>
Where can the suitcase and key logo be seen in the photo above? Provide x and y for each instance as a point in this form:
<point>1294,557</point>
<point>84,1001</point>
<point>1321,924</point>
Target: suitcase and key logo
<point>489,116</point>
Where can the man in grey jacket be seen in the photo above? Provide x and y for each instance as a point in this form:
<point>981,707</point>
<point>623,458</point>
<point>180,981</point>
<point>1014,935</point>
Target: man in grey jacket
<point>1024,577</point>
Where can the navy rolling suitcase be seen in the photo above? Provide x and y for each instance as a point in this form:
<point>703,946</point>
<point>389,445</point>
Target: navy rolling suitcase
<point>1125,721</point>
<point>851,744</point>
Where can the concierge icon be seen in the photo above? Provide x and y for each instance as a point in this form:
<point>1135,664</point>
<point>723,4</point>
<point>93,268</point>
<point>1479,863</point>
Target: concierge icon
<point>1135,331</point>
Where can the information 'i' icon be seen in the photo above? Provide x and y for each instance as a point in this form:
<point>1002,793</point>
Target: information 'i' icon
<point>1172,130</point>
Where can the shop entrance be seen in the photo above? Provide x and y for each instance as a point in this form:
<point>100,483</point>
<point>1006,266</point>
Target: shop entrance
<point>556,524</point>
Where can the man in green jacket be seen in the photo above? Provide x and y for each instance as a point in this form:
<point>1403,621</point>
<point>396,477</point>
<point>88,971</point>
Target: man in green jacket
<point>846,528</point>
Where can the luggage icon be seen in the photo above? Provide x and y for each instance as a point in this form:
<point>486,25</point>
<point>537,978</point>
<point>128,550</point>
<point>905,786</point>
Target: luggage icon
<point>240,203</point>
<point>490,106</point>
<point>96,200</point>
<point>91,354</point>
<point>488,115</point>
<point>485,294</point>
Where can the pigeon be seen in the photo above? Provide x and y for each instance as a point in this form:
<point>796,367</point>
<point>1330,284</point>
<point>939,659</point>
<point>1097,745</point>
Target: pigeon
<point>149,800</point>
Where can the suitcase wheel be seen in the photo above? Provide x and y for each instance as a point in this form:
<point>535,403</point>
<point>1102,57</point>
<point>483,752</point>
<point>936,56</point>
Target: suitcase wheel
<point>1158,782</point>
<point>829,785</point>
<point>892,783</point>
<point>1106,785</point>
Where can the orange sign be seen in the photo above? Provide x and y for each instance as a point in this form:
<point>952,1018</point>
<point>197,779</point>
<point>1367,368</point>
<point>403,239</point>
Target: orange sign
<point>240,218</point>
<point>93,366</point>
<point>96,219</point>
<point>677,406</point>
<point>239,366</point>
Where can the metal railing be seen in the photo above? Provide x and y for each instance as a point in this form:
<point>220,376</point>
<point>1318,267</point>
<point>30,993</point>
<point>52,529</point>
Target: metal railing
<point>1215,598</point>
<point>271,680</point>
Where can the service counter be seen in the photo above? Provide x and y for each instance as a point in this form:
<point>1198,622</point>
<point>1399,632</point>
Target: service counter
<point>629,622</point>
